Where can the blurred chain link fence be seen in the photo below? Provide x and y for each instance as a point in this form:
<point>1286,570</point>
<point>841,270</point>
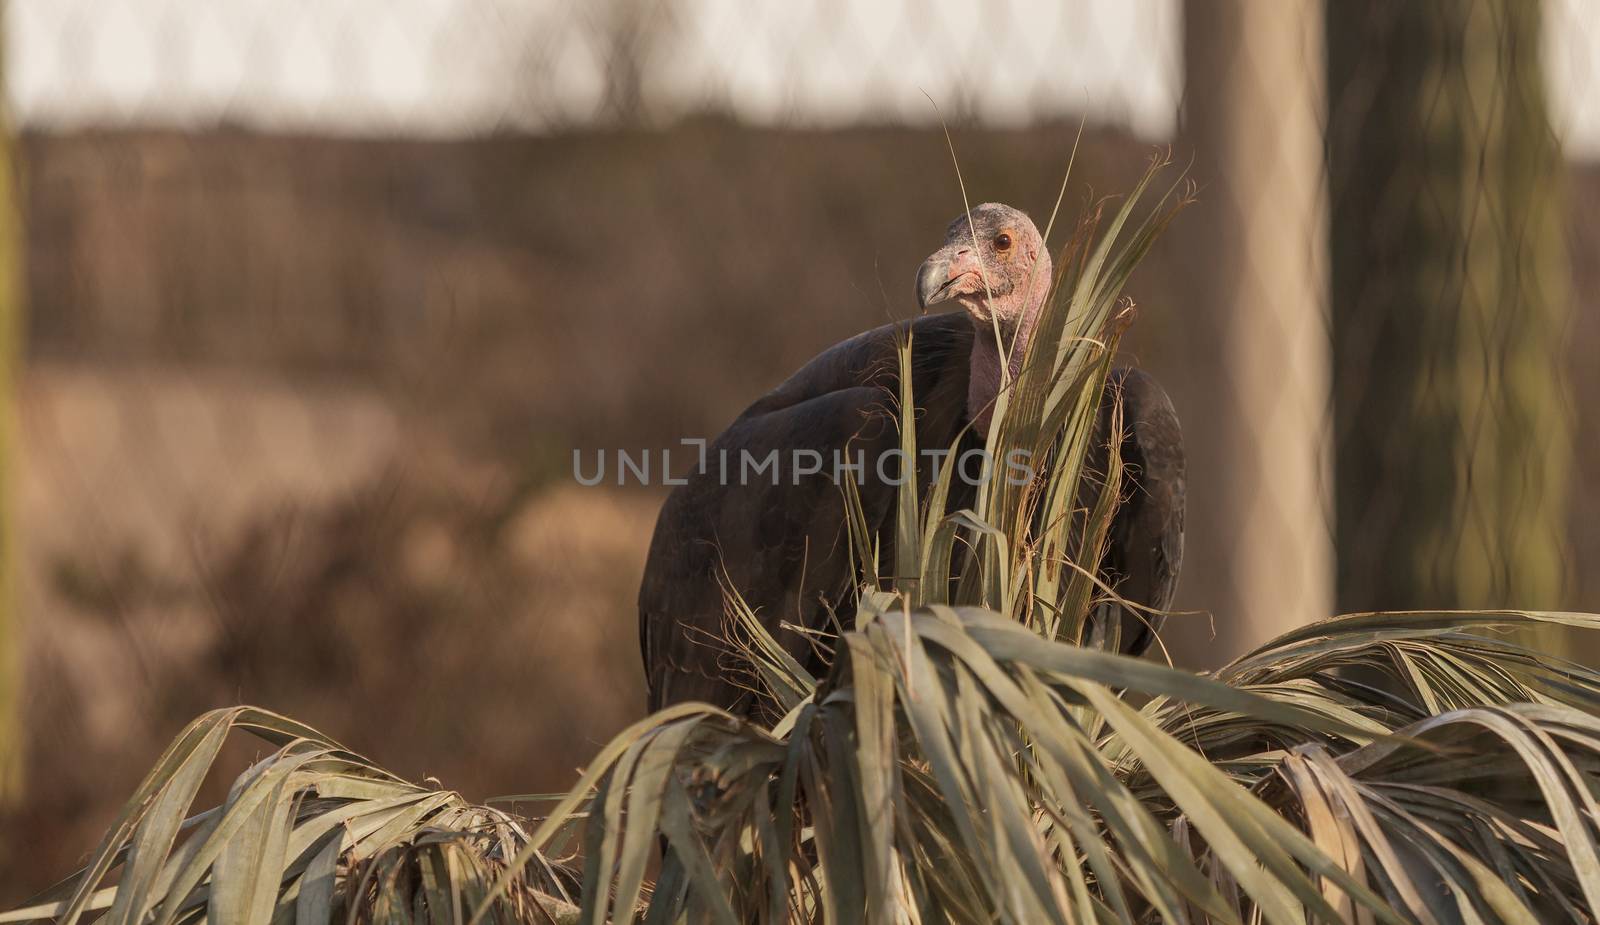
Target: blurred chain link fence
<point>445,67</point>
<point>323,295</point>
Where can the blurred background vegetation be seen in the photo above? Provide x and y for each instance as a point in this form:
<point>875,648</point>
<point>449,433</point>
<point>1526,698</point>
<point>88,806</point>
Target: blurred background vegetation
<point>320,299</point>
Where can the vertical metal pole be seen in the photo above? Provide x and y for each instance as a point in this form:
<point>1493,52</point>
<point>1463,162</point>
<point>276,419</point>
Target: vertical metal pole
<point>1257,241</point>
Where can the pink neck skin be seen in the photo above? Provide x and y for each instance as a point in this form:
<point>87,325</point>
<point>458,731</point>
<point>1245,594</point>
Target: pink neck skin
<point>1017,318</point>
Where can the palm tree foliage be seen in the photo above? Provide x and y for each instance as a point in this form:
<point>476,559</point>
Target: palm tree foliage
<point>975,752</point>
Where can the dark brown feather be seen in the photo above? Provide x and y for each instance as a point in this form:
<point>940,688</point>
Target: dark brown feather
<point>1145,549</point>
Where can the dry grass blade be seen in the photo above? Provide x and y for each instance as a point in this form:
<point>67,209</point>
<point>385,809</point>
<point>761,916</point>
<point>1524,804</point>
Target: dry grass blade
<point>303,832</point>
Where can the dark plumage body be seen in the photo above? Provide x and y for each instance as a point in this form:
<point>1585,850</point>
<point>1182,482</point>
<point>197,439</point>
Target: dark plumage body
<point>784,546</point>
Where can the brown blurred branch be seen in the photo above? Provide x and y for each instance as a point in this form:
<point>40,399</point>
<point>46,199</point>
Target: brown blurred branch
<point>11,289</point>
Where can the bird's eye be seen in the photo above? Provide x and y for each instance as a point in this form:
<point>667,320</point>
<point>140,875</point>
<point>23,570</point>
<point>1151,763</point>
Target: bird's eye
<point>1002,242</point>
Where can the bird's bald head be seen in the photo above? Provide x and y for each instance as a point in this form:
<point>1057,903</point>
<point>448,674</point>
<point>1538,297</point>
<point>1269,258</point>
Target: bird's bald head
<point>993,264</point>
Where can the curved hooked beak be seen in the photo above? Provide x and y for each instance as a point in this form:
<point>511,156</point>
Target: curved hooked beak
<point>939,274</point>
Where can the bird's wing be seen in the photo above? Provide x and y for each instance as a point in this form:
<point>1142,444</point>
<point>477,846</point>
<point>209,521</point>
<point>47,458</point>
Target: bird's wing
<point>784,546</point>
<point>1145,549</point>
